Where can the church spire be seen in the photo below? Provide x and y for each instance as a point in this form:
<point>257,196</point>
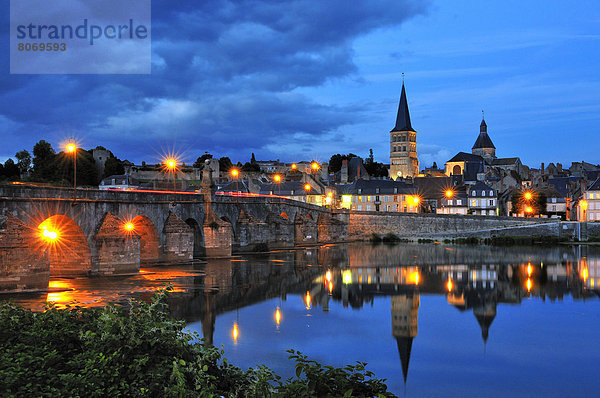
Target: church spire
<point>403,118</point>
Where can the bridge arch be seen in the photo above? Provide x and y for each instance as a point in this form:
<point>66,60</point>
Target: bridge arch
<point>198,237</point>
<point>149,239</point>
<point>66,245</point>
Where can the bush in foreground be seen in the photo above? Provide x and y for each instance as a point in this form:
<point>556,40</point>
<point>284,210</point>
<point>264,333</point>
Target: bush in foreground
<point>139,350</point>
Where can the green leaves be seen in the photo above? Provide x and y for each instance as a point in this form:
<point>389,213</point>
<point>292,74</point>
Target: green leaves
<point>140,351</point>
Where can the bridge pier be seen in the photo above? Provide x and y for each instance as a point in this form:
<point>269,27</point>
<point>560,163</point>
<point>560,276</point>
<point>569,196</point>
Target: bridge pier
<point>115,251</point>
<point>23,266</point>
<point>305,229</point>
<point>179,239</point>
<point>218,236</point>
<point>251,232</point>
<point>281,231</point>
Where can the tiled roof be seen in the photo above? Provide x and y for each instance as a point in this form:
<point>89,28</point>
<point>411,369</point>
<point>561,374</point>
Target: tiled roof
<point>403,117</point>
<point>595,185</point>
<point>466,157</point>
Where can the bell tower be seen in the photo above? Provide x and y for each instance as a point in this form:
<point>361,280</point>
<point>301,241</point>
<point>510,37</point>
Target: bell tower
<point>403,143</point>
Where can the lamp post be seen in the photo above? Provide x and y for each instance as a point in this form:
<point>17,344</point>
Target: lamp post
<point>277,179</point>
<point>72,148</point>
<point>171,165</point>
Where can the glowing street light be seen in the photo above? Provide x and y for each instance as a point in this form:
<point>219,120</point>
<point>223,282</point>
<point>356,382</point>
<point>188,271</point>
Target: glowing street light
<point>129,226</point>
<point>315,166</point>
<point>235,173</point>
<point>277,178</point>
<point>528,195</point>
<point>449,193</point>
<point>294,166</point>
<point>71,147</point>
<point>307,187</point>
<point>48,234</point>
<point>415,200</point>
<point>529,209</point>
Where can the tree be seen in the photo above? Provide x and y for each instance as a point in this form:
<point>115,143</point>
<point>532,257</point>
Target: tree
<point>250,167</point>
<point>24,161</point>
<point>335,162</point>
<point>225,164</point>
<point>199,163</point>
<point>375,169</point>
<point>113,166</point>
<point>11,170</point>
<point>536,203</point>
<point>44,162</point>
<point>1,171</point>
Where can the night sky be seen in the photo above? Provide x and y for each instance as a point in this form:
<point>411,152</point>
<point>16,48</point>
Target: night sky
<point>305,79</point>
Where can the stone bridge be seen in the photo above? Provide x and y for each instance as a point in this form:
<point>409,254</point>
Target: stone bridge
<point>45,232</point>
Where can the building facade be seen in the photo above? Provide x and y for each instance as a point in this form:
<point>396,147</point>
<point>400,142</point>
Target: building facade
<point>589,205</point>
<point>403,144</point>
<point>483,200</point>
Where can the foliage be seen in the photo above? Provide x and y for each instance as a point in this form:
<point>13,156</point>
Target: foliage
<point>375,169</point>
<point>23,161</point>
<point>537,203</point>
<point>335,162</point>
<point>199,163</point>
<point>44,162</point>
<point>139,351</point>
<point>249,167</point>
<point>11,170</point>
<point>225,164</point>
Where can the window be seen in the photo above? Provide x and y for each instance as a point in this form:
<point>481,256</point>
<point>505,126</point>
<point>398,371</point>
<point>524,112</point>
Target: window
<point>459,202</point>
<point>473,193</point>
<point>359,191</point>
<point>491,193</point>
<point>368,207</point>
<point>449,202</point>
<point>482,193</point>
<point>376,190</point>
<point>491,202</point>
<point>358,207</point>
<point>474,202</point>
<point>368,198</point>
<point>395,190</point>
<point>553,200</point>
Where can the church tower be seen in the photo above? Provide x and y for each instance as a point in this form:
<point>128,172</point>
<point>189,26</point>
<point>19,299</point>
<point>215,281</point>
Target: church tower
<point>484,146</point>
<point>403,143</point>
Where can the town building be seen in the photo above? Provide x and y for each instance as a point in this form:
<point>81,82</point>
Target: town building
<point>456,203</point>
<point>403,143</point>
<point>483,200</point>
<point>466,165</point>
<point>484,146</point>
<point>589,205</point>
<point>379,195</point>
<point>121,182</point>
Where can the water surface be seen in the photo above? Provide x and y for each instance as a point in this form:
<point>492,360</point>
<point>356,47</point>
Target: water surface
<point>434,320</point>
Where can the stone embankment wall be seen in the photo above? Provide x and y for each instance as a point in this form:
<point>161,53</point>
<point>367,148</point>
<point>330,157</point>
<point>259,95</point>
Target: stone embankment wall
<point>439,226</point>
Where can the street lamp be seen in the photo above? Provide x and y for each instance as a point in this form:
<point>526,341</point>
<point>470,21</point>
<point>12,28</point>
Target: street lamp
<point>235,173</point>
<point>314,166</point>
<point>72,148</point>
<point>277,179</point>
<point>449,193</point>
<point>171,166</point>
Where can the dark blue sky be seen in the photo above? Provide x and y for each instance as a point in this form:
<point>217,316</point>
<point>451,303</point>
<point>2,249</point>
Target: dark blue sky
<point>305,79</point>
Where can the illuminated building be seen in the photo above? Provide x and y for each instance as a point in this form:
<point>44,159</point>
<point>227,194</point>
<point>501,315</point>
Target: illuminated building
<point>484,146</point>
<point>403,143</point>
<point>483,200</point>
<point>588,208</point>
<point>122,182</point>
<point>379,195</point>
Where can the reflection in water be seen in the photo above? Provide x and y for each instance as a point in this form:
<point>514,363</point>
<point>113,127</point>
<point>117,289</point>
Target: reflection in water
<point>335,280</point>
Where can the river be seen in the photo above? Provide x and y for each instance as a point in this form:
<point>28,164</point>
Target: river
<point>434,320</point>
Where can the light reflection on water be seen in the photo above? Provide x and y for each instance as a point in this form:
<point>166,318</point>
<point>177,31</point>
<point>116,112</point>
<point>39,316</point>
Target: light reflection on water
<point>434,320</point>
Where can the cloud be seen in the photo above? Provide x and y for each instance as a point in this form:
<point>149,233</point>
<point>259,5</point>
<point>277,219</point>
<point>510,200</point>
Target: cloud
<point>224,76</point>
